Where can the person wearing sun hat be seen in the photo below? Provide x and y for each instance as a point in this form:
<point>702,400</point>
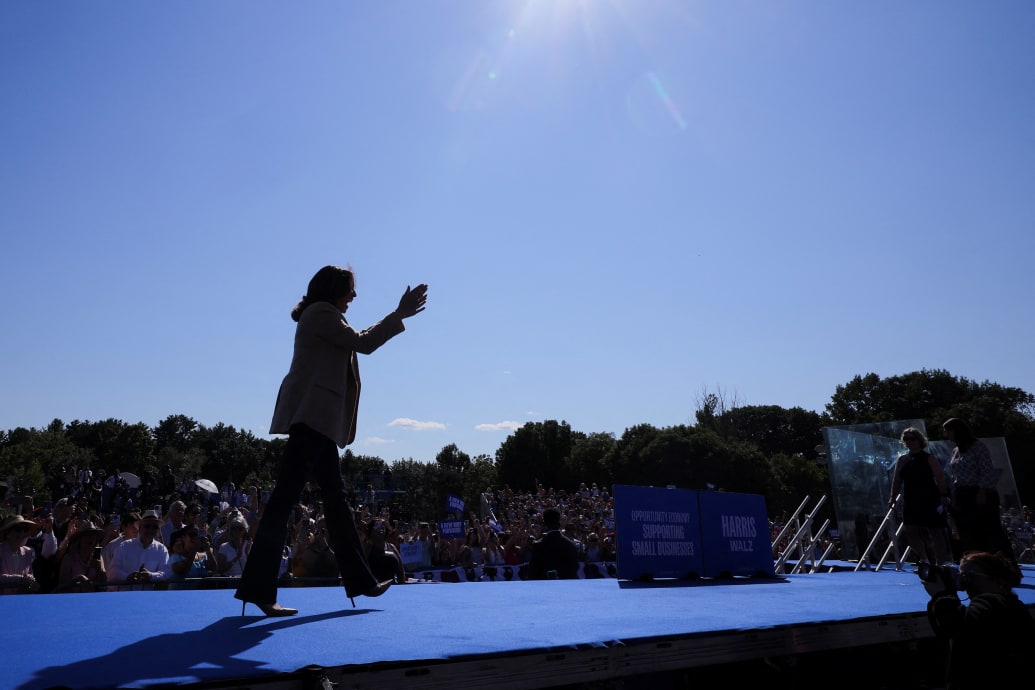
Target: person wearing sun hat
<point>81,569</point>
<point>143,558</point>
<point>16,558</point>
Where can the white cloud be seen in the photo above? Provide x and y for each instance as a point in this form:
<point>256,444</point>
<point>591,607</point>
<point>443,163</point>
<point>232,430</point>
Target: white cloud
<point>499,426</point>
<point>377,440</point>
<point>415,425</point>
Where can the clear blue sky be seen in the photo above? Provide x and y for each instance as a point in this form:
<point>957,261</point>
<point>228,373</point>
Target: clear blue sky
<point>617,205</point>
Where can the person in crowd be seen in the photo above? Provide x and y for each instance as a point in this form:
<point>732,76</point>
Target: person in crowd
<point>919,478</point>
<point>314,556</point>
<point>423,532</point>
<point>196,517</point>
<point>571,531</point>
<point>442,552</point>
<point>82,568</point>
<point>108,491</point>
<point>174,520</point>
<point>470,554</point>
<point>143,559</point>
<point>492,552</point>
<point>385,560</point>
<point>316,407</point>
<point>974,501</point>
<point>191,555</point>
<point>992,636</point>
<point>129,527</point>
<point>45,547</point>
<point>233,553</point>
<point>16,574</point>
<point>512,549</point>
<point>48,569</point>
<point>554,556</point>
<point>594,549</point>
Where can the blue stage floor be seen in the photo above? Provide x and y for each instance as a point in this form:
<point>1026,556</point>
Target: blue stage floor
<point>598,628</point>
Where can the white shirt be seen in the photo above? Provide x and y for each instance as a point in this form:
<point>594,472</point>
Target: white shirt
<point>132,554</point>
<point>108,552</point>
<point>235,559</point>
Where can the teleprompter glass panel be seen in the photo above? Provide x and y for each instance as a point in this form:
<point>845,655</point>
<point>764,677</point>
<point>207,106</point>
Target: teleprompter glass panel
<point>861,461</point>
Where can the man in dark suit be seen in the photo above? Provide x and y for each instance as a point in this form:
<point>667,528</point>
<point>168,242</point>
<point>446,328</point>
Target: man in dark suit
<point>554,556</point>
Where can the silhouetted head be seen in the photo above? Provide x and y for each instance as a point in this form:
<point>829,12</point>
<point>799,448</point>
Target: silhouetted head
<point>330,284</point>
<point>551,519</point>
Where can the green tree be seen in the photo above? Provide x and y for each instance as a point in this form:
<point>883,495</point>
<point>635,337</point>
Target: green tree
<point>175,431</point>
<point>627,458</point>
<point>537,452</point>
<point>591,458</point>
<point>230,454</point>
<point>113,442</point>
<point>361,470</point>
<point>931,395</point>
<point>418,479</point>
<point>452,459</point>
<point>774,429</point>
<point>33,457</point>
<point>480,475</point>
<point>934,396</point>
<point>794,477</point>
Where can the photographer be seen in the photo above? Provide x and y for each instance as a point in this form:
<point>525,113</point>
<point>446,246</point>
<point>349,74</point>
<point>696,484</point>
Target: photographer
<point>993,635</point>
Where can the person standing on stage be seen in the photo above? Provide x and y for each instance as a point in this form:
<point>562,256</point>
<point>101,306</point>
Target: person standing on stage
<point>554,556</point>
<point>975,498</point>
<point>925,496</point>
<point>316,407</point>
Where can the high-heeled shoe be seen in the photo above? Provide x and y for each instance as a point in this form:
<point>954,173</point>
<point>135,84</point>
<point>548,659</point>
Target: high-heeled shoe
<point>375,591</point>
<point>273,610</point>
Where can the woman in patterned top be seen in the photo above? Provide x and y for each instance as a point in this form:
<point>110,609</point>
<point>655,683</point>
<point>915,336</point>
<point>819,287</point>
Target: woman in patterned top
<point>975,499</point>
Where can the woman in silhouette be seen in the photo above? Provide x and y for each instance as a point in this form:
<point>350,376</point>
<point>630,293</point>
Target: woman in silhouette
<point>316,407</point>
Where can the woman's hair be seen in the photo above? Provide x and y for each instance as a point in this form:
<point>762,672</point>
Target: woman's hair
<point>913,432</point>
<point>330,284</point>
<point>964,436</point>
<point>994,565</point>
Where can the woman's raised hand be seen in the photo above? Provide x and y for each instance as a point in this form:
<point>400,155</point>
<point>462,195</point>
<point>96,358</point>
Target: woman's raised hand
<point>413,301</point>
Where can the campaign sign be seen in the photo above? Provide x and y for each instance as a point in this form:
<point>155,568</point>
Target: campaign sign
<point>415,554</point>
<point>657,532</point>
<point>451,529</point>
<point>735,534</point>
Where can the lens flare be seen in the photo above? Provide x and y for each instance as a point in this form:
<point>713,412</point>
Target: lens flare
<point>662,94</point>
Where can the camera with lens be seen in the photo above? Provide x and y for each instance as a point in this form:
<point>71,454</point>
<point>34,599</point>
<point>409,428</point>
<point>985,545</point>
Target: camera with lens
<point>948,575</point>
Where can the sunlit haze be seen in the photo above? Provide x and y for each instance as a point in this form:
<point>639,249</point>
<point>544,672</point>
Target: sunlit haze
<point>617,205</point>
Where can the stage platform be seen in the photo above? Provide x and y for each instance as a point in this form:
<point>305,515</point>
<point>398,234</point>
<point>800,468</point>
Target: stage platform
<point>862,626</point>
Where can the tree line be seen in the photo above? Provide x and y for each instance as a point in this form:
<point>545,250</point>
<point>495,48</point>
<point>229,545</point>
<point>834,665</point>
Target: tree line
<point>760,449</point>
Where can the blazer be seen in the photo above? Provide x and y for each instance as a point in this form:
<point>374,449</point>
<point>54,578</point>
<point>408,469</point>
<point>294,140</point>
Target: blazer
<point>554,552</point>
<point>321,389</point>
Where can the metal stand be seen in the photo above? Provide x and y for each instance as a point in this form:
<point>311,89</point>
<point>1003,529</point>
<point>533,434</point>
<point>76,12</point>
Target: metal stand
<point>893,531</point>
<point>803,542</point>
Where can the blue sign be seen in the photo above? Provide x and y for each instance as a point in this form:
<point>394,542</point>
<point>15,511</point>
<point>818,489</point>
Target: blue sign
<point>735,534</point>
<point>454,504</point>
<point>451,529</point>
<point>415,554</point>
<point>658,533</point>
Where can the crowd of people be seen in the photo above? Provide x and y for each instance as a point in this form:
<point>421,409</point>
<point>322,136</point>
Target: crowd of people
<point>75,545</point>
<point>96,536</point>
